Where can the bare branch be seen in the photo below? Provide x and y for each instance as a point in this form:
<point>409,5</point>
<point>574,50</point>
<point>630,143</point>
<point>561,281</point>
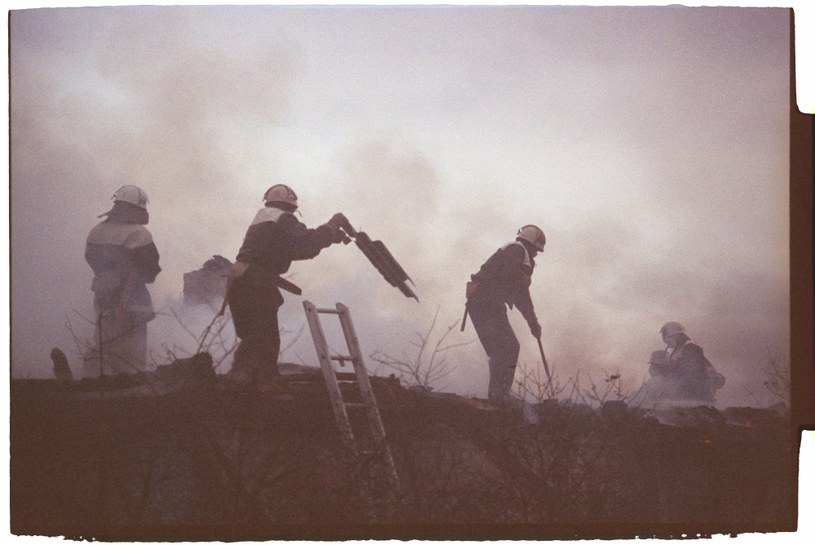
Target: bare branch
<point>777,379</point>
<point>427,367</point>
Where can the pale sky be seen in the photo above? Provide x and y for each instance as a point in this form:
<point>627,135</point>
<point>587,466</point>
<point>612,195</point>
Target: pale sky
<point>650,144</point>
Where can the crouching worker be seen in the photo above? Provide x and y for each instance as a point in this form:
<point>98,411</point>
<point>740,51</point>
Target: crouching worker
<point>123,257</point>
<point>502,281</point>
<point>274,239</point>
<point>685,372</point>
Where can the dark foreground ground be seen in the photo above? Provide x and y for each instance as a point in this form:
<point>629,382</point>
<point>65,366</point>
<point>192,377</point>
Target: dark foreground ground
<point>210,462</point>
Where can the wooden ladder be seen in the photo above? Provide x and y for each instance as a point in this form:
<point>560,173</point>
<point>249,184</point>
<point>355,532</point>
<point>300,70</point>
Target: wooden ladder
<point>377,448</point>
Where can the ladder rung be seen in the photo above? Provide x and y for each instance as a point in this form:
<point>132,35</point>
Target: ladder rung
<point>341,358</point>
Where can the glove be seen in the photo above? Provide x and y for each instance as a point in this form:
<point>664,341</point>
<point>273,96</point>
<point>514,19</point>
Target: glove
<point>340,236</point>
<point>535,328</point>
<point>337,221</point>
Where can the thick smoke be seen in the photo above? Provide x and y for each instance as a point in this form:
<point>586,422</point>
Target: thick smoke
<point>650,145</point>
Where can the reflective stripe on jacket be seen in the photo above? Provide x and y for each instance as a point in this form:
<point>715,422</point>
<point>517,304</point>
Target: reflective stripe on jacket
<point>276,238</point>
<point>122,255</point>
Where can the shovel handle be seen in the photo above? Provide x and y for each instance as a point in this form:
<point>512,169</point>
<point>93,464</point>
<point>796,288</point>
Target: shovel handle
<point>545,366</point>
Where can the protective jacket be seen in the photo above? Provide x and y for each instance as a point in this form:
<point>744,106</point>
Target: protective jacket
<point>274,239</point>
<point>124,259</point>
<point>505,278</point>
<point>691,372</point>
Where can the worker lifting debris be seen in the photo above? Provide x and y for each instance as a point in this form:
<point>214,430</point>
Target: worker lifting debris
<point>273,240</point>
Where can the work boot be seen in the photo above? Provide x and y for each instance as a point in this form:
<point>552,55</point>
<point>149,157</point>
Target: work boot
<point>242,376</point>
<point>267,372</point>
<point>506,402</point>
<point>269,380</point>
<point>243,372</point>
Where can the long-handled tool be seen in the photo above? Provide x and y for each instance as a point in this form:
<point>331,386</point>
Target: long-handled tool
<point>546,367</point>
<point>212,323</point>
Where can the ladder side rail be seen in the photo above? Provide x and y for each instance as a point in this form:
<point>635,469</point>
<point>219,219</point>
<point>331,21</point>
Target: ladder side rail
<point>353,345</point>
<point>359,363</point>
<point>364,383</point>
<point>334,393</point>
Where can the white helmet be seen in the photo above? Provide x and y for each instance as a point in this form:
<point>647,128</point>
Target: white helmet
<point>131,194</point>
<point>534,235</point>
<point>671,328</point>
<point>281,193</point>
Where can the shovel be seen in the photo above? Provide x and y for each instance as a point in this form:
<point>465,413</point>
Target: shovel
<point>546,367</point>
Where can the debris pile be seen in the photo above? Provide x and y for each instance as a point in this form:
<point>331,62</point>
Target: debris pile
<point>207,285</point>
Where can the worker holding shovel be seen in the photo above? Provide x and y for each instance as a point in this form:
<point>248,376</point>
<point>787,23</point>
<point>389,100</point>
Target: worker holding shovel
<point>502,281</point>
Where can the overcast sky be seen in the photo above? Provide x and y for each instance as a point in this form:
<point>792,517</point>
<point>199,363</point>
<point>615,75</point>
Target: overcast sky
<point>650,144</point>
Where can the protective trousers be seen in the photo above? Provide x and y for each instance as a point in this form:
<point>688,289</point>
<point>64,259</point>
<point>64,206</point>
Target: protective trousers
<point>254,313</point>
<point>492,326</point>
<point>120,345</point>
